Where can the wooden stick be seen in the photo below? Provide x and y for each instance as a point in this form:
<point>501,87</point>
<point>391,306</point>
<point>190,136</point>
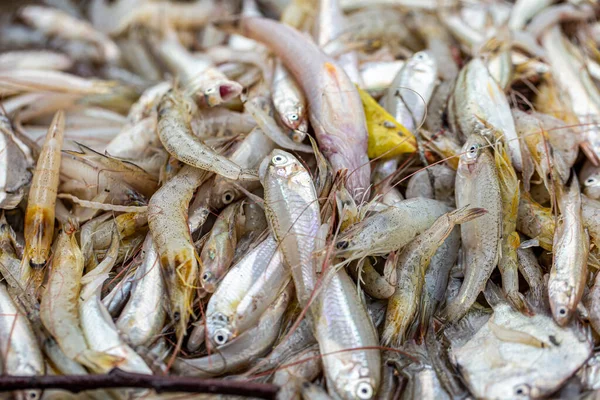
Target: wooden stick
<point>120,379</point>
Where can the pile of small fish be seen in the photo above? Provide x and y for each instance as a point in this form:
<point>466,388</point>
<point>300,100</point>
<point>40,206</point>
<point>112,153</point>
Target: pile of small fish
<point>313,194</point>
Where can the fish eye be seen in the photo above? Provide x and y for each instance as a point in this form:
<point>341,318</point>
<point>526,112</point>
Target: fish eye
<point>590,181</point>
<point>176,316</point>
<point>562,311</point>
<point>419,56</point>
<point>227,197</point>
<point>522,390</point>
<point>210,90</point>
<point>364,391</point>
<point>221,336</point>
<point>342,244</point>
<point>294,117</point>
<point>279,159</point>
<point>206,276</point>
<point>473,149</point>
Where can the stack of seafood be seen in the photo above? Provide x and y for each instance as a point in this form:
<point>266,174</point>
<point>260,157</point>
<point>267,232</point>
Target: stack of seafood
<point>348,199</point>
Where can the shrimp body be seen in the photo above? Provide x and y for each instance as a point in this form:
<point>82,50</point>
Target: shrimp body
<point>167,219</point>
<point>39,217</point>
<point>176,135</point>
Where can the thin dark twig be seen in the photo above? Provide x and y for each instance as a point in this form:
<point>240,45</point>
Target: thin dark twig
<point>120,379</point>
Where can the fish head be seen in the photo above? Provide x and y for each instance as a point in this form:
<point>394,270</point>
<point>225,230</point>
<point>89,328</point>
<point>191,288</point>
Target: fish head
<point>28,395</point>
<point>218,331</point>
<point>279,165</point>
<point>358,384</point>
<point>562,301</point>
<point>294,116</point>
<point>591,186</point>
<point>423,62</point>
<point>220,91</point>
<point>208,281</point>
<point>517,386</point>
<point>473,149</point>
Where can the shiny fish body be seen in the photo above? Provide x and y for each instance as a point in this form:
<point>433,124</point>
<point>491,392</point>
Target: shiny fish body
<point>144,314</point>
<point>233,288</point>
<point>342,323</point>
<point>289,101</point>
<point>477,186</point>
<point>21,354</point>
<point>293,213</point>
<point>569,264</point>
<point>243,349</point>
<point>409,94</point>
<point>219,249</point>
<point>390,229</point>
<point>479,105</point>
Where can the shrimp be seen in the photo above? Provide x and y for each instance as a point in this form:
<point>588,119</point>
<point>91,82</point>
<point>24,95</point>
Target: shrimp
<point>390,229</point>
<point>167,219</point>
<point>411,268</point>
<point>59,306</point>
<point>507,263</point>
<point>39,217</point>
<point>535,221</point>
<point>96,323</point>
<point>176,135</point>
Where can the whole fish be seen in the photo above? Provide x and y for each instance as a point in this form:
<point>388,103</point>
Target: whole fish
<point>293,212</point>
<point>569,264</point>
<point>477,186</point>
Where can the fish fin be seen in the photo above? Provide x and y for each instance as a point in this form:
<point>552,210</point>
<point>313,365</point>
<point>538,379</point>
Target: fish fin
<point>99,362</point>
